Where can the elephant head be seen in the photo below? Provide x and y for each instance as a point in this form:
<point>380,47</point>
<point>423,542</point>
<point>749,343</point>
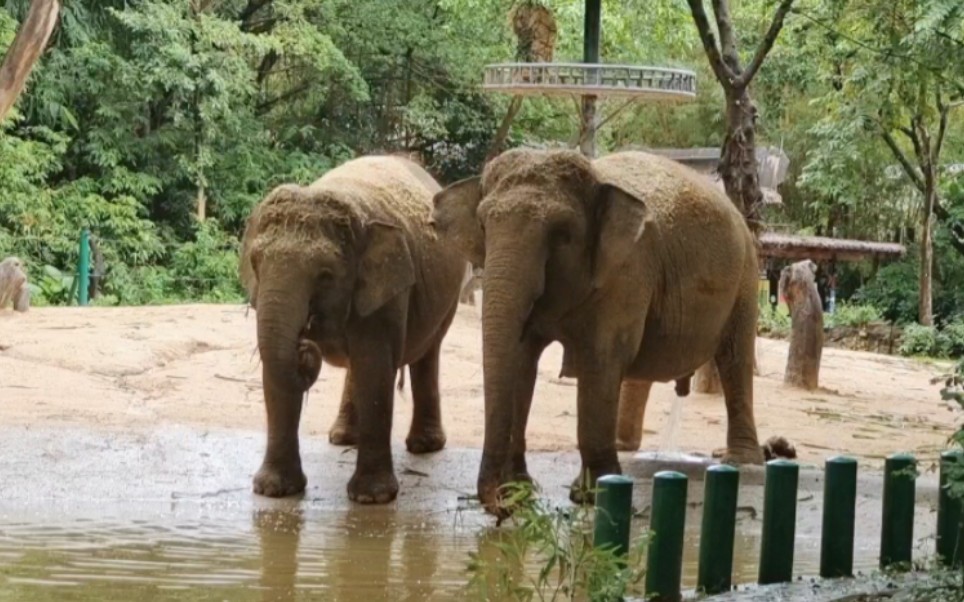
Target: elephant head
<point>311,262</point>
<point>549,232</point>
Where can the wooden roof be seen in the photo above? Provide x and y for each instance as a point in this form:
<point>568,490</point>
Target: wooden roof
<point>786,246</point>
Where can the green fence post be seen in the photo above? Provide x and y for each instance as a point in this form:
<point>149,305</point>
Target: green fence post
<point>897,529</point>
<point>839,514</point>
<point>949,514</point>
<point>779,521</point>
<point>83,268</point>
<point>614,513</point>
<point>715,573</point>
<point>664,557</point>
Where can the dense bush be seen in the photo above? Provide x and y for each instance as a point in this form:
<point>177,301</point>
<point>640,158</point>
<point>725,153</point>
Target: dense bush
<point>919,340</point>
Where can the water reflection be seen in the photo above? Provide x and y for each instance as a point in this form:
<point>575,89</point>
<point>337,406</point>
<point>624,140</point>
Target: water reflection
<point>279,533</point>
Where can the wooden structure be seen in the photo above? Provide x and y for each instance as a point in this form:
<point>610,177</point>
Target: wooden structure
<point>589,80</point>
<point>774,245</point>
<point>579,79</point>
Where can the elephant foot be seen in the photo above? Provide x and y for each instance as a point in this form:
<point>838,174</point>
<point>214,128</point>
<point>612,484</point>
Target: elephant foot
<point>626,445</point>
<point>425,441</point>
<point>739,456</point>
<point>583,488</point>
<point>377,488</point>
<point>342,434</point>
<point>275,481</point>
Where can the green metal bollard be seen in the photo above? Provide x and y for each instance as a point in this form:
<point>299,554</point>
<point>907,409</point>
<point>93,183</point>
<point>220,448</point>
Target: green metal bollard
<point>897,531</point>
<point>839,514</point>
<point>83,268</point>
<point>614,512</point>
<point>715,574</point>
<point>779,521</point>
<point>664,559</point>
<point>949,526</point>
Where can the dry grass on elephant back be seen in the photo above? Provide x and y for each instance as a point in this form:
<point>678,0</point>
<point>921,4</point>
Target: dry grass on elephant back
<point>668,187</point>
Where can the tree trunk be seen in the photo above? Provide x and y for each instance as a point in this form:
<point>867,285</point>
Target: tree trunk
<point>799,287</point>
<point>498,141</point>
<point>23,54</point>
<point>707,379</point>
<point>738,167</point>
<point>587,127</point>
<point>926,304</point>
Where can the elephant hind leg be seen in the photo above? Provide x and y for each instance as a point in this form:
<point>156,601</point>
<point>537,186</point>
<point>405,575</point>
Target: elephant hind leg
<point>633,395</point>
<point>734,360</point>
<point>426,433</point>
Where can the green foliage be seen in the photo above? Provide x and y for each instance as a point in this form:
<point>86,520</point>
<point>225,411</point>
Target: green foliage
<point>919,340</point>
<point>547,554</point>
<point>52,288</point>
<point>852,315</point>
<point>773,323</point>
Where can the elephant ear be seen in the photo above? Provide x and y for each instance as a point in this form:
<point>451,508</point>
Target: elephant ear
<point>386,268</point>
<point>621,219</point>
<point>455,218</point>
<point>249,279</point>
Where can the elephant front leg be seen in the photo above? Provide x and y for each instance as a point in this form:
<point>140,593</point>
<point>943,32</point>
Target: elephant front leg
<point>345,429</point>
<point>526,384</point>
<point>373,371</point>
<point>598,401</point>
<point>633,395</point>
<point>280,474</point>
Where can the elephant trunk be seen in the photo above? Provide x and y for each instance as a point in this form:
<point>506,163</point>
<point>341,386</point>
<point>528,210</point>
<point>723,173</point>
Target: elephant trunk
<point>282,314</point>
<point>514,280</point>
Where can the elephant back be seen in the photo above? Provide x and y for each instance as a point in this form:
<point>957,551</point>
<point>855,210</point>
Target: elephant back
<point>675,194</point>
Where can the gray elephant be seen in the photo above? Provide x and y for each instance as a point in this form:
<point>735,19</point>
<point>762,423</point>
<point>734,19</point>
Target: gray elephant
<point>636,264</point>
<point>349,270</point>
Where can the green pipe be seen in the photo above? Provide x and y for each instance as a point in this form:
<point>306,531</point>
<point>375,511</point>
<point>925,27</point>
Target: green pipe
<point>664,557</point>
<point>839,514</point>
<point>83,268</point>
<point>949,514</point>
<point>614,513</point>
<point>715,574</point>
<point>779,521</point>
<point>592,28</point>
<point>897,529</point>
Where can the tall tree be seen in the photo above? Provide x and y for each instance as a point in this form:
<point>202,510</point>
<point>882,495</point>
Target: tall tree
<point>27,46</point>
<point>897,72</point>
<point>738,166</point>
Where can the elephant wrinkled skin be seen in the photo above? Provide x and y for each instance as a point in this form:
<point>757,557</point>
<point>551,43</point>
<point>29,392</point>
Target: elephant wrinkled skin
<point>635,263</point>
<point>349,271</point>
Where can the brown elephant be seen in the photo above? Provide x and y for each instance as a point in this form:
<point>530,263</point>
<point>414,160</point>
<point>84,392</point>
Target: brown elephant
<point>636,264</point>
<point>349,270</point>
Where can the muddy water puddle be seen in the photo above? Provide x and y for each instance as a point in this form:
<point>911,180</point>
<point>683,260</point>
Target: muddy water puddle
<point>169,515</point>
<point>278,553</point>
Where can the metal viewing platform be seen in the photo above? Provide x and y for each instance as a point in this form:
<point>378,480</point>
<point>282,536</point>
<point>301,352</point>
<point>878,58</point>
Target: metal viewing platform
<point>589,79</point>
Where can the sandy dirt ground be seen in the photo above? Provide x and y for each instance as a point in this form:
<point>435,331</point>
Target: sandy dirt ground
<point>196,365</point>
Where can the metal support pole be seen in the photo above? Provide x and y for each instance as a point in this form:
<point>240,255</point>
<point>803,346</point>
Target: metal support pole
<point>614,513</point>
<point>592,34</point>
<point>839,514</point>
<point>897,529</point>
<point>949,527</point>
<point>664,559</point>
<point>83,268</point>
<point>779,521</point>
<point>718,529</point>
